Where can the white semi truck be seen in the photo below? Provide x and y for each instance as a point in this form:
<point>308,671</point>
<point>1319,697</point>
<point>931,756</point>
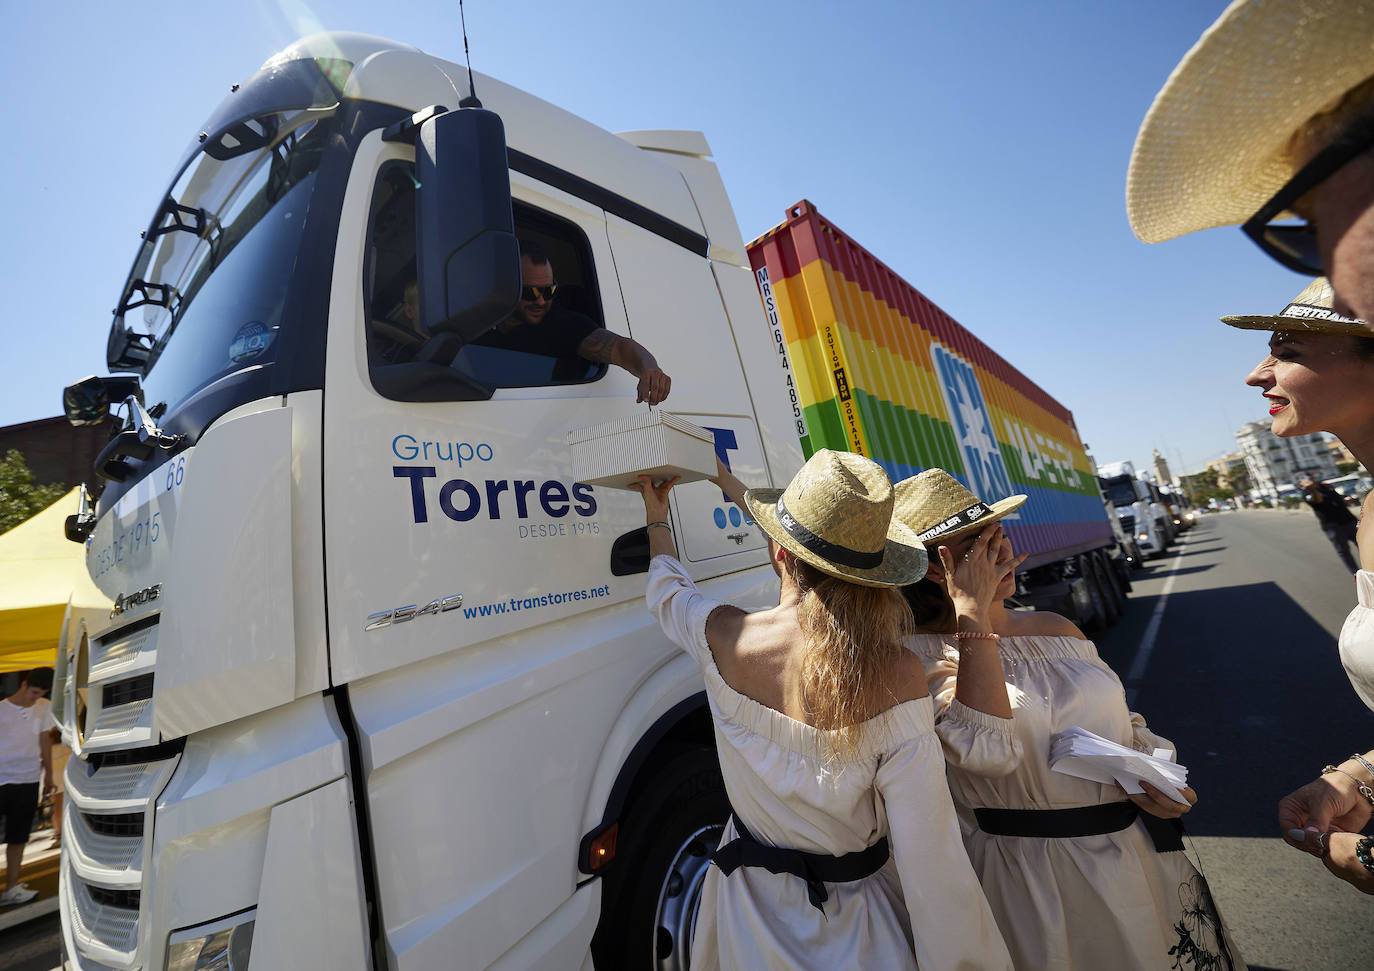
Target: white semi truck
<point>379,689</point>
<point>1139,507</point>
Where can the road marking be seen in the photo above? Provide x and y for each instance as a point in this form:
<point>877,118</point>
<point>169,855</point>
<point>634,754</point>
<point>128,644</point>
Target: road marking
<point>1147,641</point>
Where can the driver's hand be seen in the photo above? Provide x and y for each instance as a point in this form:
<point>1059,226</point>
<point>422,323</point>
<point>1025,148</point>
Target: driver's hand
<point>654,386</point>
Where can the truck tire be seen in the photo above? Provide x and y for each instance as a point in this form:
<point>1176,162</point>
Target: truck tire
<point>670,827</point>
<point>1112,600</point>
<point>1088,609</point>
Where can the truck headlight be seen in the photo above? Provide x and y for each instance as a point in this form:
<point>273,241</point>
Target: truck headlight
<point>224,948</point>
<point>1143,536</point>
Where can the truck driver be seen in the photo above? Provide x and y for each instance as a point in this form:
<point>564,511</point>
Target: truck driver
<point>539,326</point>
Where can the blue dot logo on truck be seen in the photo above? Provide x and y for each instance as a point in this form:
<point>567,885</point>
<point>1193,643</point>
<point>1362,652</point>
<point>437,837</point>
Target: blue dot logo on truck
<point>986,470</point>
<point>726,442</point>
<point>251,341</point>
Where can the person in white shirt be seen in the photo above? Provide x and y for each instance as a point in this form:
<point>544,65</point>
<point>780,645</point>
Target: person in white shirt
<point>25,762</point>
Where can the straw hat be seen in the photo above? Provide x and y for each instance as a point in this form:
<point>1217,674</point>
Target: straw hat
<point>836,515</point>
<point>937,506</point>
<point>1310,313</point>
<point>1212,148</point>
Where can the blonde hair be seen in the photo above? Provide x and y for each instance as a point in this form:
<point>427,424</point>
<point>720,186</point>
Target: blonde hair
<point>853,637</point>
<point>1352,110</point>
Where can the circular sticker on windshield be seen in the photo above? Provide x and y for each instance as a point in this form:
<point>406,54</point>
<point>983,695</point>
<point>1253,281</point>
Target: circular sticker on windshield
<point>252,341</point>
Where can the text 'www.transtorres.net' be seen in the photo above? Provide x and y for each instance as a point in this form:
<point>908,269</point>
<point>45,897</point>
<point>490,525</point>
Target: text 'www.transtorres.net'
<point>515,604</point>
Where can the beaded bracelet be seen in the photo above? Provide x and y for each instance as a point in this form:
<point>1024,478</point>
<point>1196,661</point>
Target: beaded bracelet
<point>1365,790</point>
<point>1364,762</point>
<point>1362,853</point>
<point>976,635</point>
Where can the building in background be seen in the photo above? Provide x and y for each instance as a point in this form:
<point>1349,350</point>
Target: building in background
<point>1341,455</point>
<point>55,450</point>
<point>1275,465</point>
<point>1231,473</point>
<point>1160,465</point>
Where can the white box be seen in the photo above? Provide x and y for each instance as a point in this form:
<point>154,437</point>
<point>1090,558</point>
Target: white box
<point>653,443</point>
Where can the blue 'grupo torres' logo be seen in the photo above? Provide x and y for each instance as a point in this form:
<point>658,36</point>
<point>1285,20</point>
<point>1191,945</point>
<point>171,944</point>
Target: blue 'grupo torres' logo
<point>463,500</point>
<point>972,425</point>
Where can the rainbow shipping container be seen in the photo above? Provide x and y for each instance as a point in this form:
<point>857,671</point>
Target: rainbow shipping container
<point>879,369</point>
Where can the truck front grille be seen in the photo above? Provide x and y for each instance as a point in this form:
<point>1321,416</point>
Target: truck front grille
<point>127,692</point>
<point>116,824</point>
<point>104,927</point>
<point>118,686</point>
<point>112,784</point>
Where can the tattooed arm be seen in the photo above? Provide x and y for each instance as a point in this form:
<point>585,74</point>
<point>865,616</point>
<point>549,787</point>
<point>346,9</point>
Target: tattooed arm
<point>605,347</point>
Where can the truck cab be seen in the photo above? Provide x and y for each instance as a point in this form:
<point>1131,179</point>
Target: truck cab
<point>1140,514</point>
<point>379,688</point>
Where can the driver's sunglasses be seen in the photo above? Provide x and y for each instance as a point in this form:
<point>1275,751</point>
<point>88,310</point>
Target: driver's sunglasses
<point>1295,244</point>
<point>538,293</point>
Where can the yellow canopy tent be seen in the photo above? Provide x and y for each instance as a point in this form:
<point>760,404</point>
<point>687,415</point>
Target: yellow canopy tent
<point>40,571</point>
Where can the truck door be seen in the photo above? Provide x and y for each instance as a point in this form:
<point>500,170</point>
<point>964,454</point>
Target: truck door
<point>674,308</point>
<point>431,501</point>
<point>472,608</point>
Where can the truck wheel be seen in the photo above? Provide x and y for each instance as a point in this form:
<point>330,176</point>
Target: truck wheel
<point>1106,583</point>
<point>1088,609</point>
<point>668,831</point>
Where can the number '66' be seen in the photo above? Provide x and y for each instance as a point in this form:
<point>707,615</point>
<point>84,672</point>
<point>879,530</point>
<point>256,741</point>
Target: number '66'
<point>175,471</point>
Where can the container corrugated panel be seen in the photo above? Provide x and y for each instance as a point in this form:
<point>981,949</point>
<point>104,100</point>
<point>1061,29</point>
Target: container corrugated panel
<point>881,370</point>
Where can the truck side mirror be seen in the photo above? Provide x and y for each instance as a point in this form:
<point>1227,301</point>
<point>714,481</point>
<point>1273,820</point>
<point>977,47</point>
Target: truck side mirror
<point>468,266</point>
<point>87,402</point>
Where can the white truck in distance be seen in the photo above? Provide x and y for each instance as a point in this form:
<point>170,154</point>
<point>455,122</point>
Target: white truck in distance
<point>1139,507</point>
<point>379,689</point>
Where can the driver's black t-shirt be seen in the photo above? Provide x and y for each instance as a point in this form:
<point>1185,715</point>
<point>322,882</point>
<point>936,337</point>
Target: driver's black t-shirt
<point>559,334</point>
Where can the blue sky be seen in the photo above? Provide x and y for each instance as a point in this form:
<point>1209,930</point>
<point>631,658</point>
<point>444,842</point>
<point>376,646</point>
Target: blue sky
<point>978,148</point>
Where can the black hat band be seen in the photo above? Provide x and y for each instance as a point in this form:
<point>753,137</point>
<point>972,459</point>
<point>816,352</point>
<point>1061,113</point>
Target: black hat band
<point>959,520</point>
<point>833,552</point>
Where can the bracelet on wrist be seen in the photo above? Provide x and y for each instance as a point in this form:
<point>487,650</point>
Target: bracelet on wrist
<point>976,635</point>
<point>659,522</point>
<point>1364,852</point>
<point>1365,764</point>
<point>1364,788</point>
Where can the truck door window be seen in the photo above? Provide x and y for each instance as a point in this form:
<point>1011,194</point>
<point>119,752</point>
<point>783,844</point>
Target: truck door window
<point>513,354</point>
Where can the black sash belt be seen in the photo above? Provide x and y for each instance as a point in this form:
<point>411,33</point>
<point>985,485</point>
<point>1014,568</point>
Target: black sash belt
<point>816,869</point>
<point>1111,817</point>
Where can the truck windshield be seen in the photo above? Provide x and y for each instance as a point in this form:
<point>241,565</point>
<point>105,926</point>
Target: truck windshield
<point>215,271</point>
<point>1121,490</point>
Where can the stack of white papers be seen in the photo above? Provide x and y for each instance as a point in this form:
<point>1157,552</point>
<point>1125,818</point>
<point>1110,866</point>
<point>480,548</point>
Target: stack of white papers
<point>1080,753</point>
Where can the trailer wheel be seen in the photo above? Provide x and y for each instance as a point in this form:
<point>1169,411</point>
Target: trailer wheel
<point>1112,600</point>
<point>1089,602</point>
<point>653,891</point>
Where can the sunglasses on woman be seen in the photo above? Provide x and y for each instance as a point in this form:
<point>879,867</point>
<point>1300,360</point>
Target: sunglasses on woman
<point>1295,244</point>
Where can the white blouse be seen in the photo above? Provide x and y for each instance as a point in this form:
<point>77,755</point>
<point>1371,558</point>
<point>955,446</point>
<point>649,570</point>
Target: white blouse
<point>1075,903</point>
<point>924,908</point>
<point>1357,639</point>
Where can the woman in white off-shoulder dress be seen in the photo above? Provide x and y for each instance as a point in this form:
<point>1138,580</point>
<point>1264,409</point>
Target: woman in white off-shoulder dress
<point>825,778</point>
<point>1319,376</point>
<point>1076,875</point>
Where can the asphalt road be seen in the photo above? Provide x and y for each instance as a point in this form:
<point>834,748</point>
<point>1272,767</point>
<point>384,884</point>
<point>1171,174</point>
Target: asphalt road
<point>1242,673</point>
<point>1244,677</point>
